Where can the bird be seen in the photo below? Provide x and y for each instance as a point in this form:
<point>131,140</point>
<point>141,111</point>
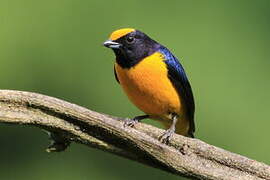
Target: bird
<point>154,80</point>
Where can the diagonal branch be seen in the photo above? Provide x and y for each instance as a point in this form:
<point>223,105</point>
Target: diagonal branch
<point>68,123</point>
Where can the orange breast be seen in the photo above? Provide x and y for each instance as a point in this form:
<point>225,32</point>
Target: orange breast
<point>148,87</point>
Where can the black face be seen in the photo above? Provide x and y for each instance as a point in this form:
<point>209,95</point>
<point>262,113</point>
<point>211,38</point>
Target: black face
<point>133,48</point>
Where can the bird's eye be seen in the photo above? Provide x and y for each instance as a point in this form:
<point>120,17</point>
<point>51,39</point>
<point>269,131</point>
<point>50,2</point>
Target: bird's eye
<point>130,39</point>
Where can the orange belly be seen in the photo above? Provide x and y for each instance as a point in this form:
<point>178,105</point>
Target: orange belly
<point>148,87</point>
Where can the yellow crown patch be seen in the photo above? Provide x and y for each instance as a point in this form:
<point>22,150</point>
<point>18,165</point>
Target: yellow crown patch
<point>120,33</point>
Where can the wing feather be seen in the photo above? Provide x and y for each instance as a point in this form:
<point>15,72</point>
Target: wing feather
<point>115,75</point>
<point>177,75</point>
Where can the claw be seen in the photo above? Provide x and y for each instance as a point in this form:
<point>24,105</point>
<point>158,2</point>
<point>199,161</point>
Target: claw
<point>130,122</point>
<point>166,136</point>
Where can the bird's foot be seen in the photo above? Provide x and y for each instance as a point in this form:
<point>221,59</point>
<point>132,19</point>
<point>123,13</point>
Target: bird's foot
<point>130,122</point>
<point>166,136</point>
<point>133,121</point>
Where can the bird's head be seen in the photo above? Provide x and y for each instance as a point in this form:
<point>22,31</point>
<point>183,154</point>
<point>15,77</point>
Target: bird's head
<point>130,46</point>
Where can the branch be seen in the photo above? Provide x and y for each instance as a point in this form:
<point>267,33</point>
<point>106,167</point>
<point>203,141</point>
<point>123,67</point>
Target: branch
<point>68,123</point>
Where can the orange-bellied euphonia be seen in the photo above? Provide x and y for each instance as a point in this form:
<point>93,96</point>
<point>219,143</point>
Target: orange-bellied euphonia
<point>154,80</point>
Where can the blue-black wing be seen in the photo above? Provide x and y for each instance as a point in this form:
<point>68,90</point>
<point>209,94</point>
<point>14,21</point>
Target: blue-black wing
<point>115,75</point>
<point>177,75</point>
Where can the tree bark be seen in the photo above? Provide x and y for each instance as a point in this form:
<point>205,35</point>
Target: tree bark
<point>68,123</point>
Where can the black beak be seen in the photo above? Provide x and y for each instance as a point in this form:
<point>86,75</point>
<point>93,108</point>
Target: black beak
<point>112,44</point>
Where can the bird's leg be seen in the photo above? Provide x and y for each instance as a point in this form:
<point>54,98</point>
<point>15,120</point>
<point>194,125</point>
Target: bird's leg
<point>167,135</point>
<point>133,121</point>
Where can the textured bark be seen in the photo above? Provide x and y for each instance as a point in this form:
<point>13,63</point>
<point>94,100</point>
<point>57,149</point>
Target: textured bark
<point>68,123</point>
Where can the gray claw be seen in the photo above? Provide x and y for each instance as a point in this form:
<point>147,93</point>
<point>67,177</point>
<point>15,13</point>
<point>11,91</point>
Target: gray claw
<point>166,136</point>
<point>130,122</point>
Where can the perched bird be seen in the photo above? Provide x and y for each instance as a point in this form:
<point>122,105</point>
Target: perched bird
<point>154,80</point>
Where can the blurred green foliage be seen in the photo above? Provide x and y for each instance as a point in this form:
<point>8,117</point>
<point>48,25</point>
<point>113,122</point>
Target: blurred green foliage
<point>54,47</point>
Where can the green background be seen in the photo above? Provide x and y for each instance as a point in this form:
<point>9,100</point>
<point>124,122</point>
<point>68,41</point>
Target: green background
<point>54,47</point>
